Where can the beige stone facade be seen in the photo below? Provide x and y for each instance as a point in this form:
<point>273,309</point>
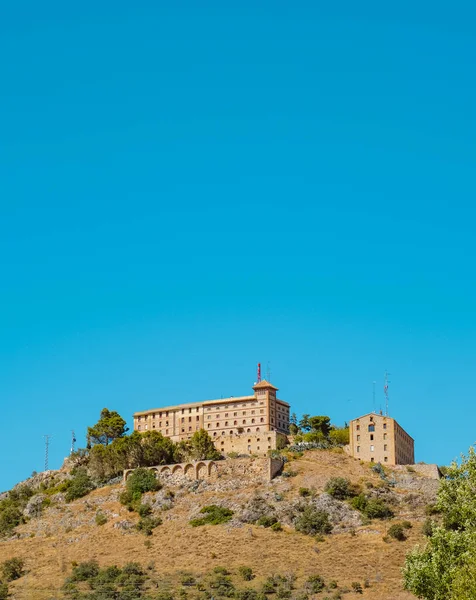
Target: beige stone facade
<point>245,424</point>
<point>380,439</point>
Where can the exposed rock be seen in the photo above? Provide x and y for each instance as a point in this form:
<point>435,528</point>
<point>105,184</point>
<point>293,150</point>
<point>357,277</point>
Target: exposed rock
<point>342,517</point>
<point>34,506</point>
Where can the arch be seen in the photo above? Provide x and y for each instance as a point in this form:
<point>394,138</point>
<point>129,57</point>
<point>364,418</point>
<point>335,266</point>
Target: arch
<point>248,430</point>
<point>177,469</point>
<point>189,471</point>
<point>165,471</point>
<point>211,467</point>
<point>202,470</point>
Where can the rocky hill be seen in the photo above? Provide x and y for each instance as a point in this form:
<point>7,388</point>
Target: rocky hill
<point>265,529</point>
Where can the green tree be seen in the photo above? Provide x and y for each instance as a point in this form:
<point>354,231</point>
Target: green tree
<point>304,423</point>
<point>445,569</point>
<point>109,427</point>
<point>320,425</point>
<point>201,447</point>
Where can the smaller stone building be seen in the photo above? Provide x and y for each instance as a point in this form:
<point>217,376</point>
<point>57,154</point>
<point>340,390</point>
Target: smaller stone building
<point>379,438</point>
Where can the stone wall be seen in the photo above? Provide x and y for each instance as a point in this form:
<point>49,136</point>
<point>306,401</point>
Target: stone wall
<point>429,471</point>
<point>260,468</point>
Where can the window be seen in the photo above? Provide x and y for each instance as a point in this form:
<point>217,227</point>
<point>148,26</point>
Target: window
<point>385,425</point>
<point>384,436</point>
<point>218,424</point>
<point>244,421</point>
<point>189,419</point>
<point>183,430</point>
<point>371,418</point>
<point>372,459</point>
<point>371,427</point>
<point>358,438</point>
<point>261,420</point>
<point>385,459</point>
<point>138,427</point>
<point>198,418</point>
<point>372,448</point>
<point>385,447</point>
<point>235,422</point>
<point>358,448</point>
<point>357,427</point>
<point>371,437</point>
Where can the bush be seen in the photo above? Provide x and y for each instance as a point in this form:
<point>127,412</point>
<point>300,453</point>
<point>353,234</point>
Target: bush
<point>357,587</point>
<point>373,508</point>
<point>397,532</point>
<point>148,524</point>
<point>427,528</point>
<point>246,573</point>
<point>101,518</point>
<point>315,583</point>
<point>81,484</point>
<point>338,487</point>
<point>133,568</point>
<point>84,571</point>
<point>140,481</point>
<point>188,580</point>
<point>221,570</point>
<point>3,591</point>
<point>12,569</point>
<point>276,526</point>
<point>215,515</point>
<point>304,492</point>
<point>266,521</point>
<point>144,510</point>
<point>222,586</point>
<point>406,525</point>
<point>247,595</point>
<point>313,521</point>
<point>377,509</point>
<point>10,517</point>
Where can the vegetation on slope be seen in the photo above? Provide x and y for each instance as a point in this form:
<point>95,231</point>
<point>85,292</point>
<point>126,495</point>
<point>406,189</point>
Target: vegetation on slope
<point>445,569</point>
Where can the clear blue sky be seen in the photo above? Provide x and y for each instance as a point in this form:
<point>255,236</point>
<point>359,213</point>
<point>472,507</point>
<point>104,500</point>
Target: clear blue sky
<point>189,188</point>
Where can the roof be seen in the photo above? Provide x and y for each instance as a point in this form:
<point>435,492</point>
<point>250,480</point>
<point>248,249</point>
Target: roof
<point>264,385</point>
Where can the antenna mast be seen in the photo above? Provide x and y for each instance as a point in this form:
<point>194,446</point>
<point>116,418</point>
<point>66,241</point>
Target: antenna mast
<point>47,445</point>
<point>385,391</point>
<point>73,440</point>
<point>258,374</point>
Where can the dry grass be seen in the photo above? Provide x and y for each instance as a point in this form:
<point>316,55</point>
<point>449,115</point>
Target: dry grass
<point>176,546</point>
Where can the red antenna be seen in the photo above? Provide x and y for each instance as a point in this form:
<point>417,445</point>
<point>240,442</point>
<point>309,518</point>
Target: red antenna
<point>259,373</point>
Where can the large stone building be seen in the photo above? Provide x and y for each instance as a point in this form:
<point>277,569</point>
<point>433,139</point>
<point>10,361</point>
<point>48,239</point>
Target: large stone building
<point>379,438</point>
<point>244,424</point>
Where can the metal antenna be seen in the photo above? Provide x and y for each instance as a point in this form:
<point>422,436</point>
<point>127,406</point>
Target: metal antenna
<point>385,391</point>
<point>258,374</point>
<point>73,440</point>
<point>47,446</point>
<point>373,394</point>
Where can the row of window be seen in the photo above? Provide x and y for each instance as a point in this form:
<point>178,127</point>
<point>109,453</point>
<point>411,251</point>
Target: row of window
<point>235,414</point>
<point>231,432</point>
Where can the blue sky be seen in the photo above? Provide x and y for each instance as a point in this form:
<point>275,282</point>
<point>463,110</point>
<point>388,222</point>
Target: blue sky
<point>189,188</point>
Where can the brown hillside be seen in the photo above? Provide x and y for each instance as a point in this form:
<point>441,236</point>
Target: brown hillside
<point>67,532</point>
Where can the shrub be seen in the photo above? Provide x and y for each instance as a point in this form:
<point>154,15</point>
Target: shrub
<point>315,583</point>
<point>247,595</point>
<point>289,473</point>
<point>427,528</point>
<point>312,521</point>
<point>214,515</point>
<point>338,487</point>
<point>221,570</point>
<point>406,525</point>
<point>222,586</point>
<point>373,508</point>
<point>101,518</point>
<point>12,569</point>
<point>304,492</point>
<point>10,517</point>
<point>81,484</point>
<point>357,587</point>
<point>332,585</point>
<point>3,591</point>
<point>276,526</point>
<point>432,509</point>
<point>188,580</point>
<point>246,573</point>
<point>84,571</point>
<point>133,568</point>
<point>377,509</point>
<point>148,524</point>
<point>140,481</point>
<point>266,521</point>
<point>397,532</point>
<point>144,510</point>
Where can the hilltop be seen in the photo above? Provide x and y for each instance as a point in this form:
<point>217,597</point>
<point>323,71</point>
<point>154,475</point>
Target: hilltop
<point>59,535</point>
